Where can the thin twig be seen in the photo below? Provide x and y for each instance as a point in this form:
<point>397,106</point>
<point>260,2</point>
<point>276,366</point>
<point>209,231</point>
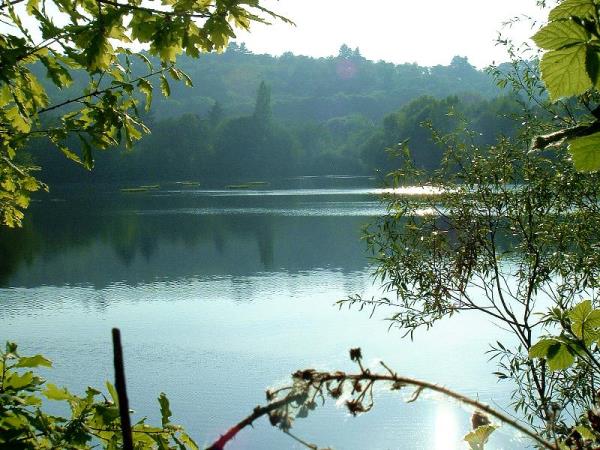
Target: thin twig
<point>7,4</point>
<point>258,412</point>
<point>101,91</point>
<point>131,6</point>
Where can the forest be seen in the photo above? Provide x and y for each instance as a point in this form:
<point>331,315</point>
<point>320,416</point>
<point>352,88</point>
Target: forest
<point>251,116</point>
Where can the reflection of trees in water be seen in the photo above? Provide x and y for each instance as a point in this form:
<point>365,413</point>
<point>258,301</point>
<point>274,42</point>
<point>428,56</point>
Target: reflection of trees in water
<point>264,238</point>
<point>126,239</point>
<point>242,289</point>
<point>17,247</point>
<point>135,234</point>
<point>98,244</point>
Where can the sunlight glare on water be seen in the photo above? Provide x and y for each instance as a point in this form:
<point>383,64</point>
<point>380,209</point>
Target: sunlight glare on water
<point>446,433</point>
<point>411,190</point>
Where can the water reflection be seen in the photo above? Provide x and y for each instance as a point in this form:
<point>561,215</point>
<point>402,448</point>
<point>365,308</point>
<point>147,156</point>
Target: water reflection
<point>137,240</point>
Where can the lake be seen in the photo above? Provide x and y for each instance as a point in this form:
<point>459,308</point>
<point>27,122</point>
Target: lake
<point>220,294</point>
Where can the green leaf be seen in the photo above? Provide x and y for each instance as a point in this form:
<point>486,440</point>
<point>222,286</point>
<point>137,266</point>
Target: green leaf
<point>107,414</point>
<point>69,154</point>
<point>557,353</point>
<point>164,86</point>
<point>32,5</point>
<point>187,440</point>
<point>88,156</point>
<point>30,184</point>
<point>91,392</point>
<point>564,71</point>
<point>5,95</point>
<point>13,421</point>
<point>53,392</point>
<point>8,185</point>
<point>165,411</point>
<point>186,79</point>
<point>585,321</point>
<point>146,61</point>
<point>479,436</point>
<point>146,88</point>
<point>540,349</point>
<point>17,381</point>
<point>585,433</point>
<point>573,8</point>
<point>585,152</point>
<point>113,393</point>
<point>56,72</point>
<point>32,400</point>
<point>175,74</point>
<point>592,64</point>
<point>560,34</point>
<point>98,53</point>
<point>560,357</point>
<point>168,53</point>
<point>18,122</point>
<point>33,361</point>
<point>131,133</point>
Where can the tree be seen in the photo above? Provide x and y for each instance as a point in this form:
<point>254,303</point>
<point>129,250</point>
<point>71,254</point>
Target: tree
<point>97,39</point>
<point>215,115</point>
<point>513,234</point>
<point>262,108</point>
<point>490,233</point>
<point>345,52</point>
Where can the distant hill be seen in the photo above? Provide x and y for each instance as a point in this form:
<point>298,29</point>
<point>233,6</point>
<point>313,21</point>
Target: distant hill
<point>305,88</point>
<point>251,116</point>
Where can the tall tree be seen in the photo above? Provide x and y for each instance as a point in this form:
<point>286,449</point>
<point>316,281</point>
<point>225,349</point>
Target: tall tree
<point>262,109</point>
<point>215,115</point>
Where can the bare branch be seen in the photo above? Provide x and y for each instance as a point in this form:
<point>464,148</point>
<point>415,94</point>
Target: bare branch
<point>558,137</point>
<point>257,413</point>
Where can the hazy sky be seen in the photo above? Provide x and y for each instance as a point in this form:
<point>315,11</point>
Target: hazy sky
<point>428,32</point>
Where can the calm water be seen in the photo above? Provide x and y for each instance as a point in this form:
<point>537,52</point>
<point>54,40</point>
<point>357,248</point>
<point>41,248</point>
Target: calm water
<point>220,294</point>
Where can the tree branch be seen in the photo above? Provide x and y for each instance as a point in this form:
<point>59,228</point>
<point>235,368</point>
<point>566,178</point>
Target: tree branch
<point>155,11</point>
<point>100,91</point>
<point>10,3</point>
<point>258,412</point>
<point>314,379</point>
<point>557,137</point>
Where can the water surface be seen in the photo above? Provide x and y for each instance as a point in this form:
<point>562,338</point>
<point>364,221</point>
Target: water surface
<point>220,294</point>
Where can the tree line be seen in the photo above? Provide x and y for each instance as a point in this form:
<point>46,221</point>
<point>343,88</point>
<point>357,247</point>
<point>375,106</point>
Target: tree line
<point>276,121</point>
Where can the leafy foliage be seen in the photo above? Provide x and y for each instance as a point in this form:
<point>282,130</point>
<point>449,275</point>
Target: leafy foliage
<point>94,419</point>
<point>570,67</point>
<point>95,37</point>
<point>580,332</point>
<point>503,232</point>
<point>575,347</point>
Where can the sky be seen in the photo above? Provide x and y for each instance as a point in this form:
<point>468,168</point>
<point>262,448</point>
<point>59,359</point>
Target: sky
<point>427,32</point>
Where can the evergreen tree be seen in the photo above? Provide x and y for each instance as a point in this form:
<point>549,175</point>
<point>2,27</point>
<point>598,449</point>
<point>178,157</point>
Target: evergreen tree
<point>262,110</point>
<point>345,52</point>
<point>215,115</point>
